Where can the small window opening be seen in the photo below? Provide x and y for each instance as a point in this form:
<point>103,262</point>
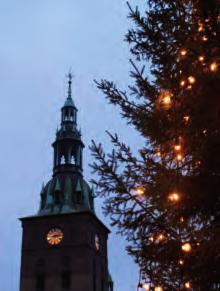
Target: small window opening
<point>66,280</point>
<point>79,197</point>
<point>62,162</point>
<point>57,197</point>
<point>40,282</point>
<point>73,161</point>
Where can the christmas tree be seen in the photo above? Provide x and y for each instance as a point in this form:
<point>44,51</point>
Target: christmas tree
<point>166,200</point>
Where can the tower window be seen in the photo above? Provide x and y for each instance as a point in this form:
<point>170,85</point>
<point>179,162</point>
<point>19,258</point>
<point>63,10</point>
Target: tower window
<point>79,197</point>
<point>57,197</point>
<point>66,280</point>
<point>40,282</point>
<point>73,161</point>
<point>63,161</point>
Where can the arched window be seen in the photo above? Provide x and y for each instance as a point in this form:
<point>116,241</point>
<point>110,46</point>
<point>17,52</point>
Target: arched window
<point>79,197</point>
<point>73,160</point>
<point>62,161</point>
<point>66,279</point>
<point>57,197</point>
<point>40,281</point>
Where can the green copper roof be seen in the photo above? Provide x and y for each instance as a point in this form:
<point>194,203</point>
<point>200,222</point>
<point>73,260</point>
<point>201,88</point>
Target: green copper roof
<point>64,193</point>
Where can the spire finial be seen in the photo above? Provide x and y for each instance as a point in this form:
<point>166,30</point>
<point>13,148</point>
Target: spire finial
<point>70,77</point>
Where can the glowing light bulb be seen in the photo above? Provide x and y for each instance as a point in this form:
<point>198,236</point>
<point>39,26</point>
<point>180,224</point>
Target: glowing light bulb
<point>205,38</point>
<point>214,67</point>
<point>158,153</point>
<point>151,239</point>
<point>139,190</point>
<point>183,52</point>
<point>158,288</point>
<point>173,197</point>
<point>181,262</point>
<point>182,83</point>
<point>146,287</point>
<point>160,237</point>
<point>179,157</point>
<point>200,28</point>
<point>165,99</point>
<point>186,118</point>
<point>191,79</point>
<point>177,147</point>
<point>181,219</point>
<point>186,247</point>
<point>201,58</point>
<point>188,285</point>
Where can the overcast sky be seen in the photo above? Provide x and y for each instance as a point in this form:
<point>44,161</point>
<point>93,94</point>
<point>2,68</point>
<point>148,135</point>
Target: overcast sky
<point>39,41</point>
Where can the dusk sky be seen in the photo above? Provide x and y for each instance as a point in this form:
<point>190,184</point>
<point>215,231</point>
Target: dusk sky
<point>39,41</point>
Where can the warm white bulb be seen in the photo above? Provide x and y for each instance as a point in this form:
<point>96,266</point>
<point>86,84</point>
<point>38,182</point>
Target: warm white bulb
<point>177,147</point>
<point>188,285</point>
<point>214,67</point>
<point>173,197</point>
<point>139,190</point>
<point>151,239</point>
<point>186,247</point>
<point>183,52</point>
<point>201,58</point>
<point>191,79</point>
<point>146,287</point>
<point>158,288</point>
<point>160,237</point>
<point>182,83</point>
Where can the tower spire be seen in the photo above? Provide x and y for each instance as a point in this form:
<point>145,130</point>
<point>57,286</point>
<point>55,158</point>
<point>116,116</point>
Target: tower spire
<point>70,77</point>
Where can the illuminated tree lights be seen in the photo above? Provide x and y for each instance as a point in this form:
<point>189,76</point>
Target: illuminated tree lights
<point>166,200</point>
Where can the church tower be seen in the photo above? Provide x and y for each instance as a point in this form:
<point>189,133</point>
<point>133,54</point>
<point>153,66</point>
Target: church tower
<point>64,246</point>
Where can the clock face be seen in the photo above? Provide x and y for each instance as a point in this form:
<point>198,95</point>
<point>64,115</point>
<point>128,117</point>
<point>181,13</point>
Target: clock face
<point>97,242</point>
<point>54,236</point>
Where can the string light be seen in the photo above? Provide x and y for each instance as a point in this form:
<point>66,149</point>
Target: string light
<point>182,83</point>
<point>146,287</point>
<point>191,79</point>
<point>173,197</point>
<point>200,28</point>
<point>205,38</point>
<point>139,190</point>
<point>158,288</point>
<point>165,99</point>
<point>186,118</point>
<point>181,262</point>
<point>186,247</point>
<point>160,237</point>
<point>179,157</point>
<point>183,52</point>
<point>201,58</point>
<point>158,153</point>
<point>188,285</point>
<point>214,67</point>
<point>177,147</point>
<point>151,239</point>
